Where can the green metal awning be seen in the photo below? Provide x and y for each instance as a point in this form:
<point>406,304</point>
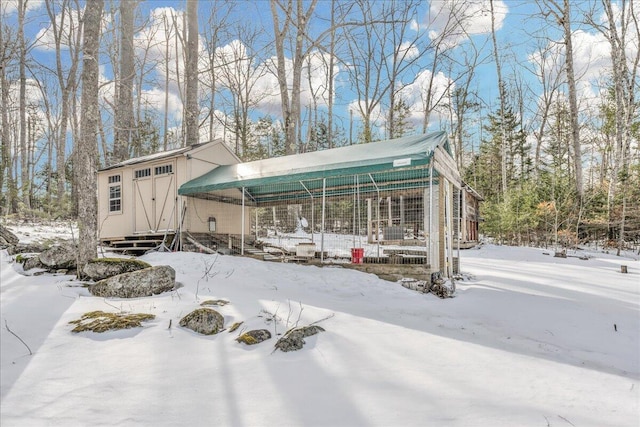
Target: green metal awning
<point>396,163</point>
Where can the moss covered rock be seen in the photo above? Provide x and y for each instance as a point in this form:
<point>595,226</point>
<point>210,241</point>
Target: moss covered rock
<point>294,338</point>
<point>102,268</point>
<point>254,337</point>
<point>60,257</point>
<point>140,283</point>
<point>204,321</point>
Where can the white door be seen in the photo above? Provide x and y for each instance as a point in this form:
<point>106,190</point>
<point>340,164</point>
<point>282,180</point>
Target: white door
<point>143,197</point>
<point>164,200</point>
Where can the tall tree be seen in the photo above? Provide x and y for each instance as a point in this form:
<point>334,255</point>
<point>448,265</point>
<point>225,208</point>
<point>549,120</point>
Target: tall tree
<point>192,112</point>
<point>295,25</point>
<point>620,29</point>
<point>87,150</point>
<point>7,52</point>
<point>503,98</point>
<point>24,149</point>
<point>66,29</point>
<point>561,11</point>
<point>124,123</point>
<point>239,75</point>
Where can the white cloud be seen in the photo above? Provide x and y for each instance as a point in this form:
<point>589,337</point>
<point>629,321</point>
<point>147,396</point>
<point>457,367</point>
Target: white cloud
<point>592,63</point>
<point>408,51</point>
<point>314,83</point>
<point>68,25</point>
<point>11,6</point>
<point>415,95</point>
<point>456,20</point>
<point>158,42</point>
<point>155,98</point>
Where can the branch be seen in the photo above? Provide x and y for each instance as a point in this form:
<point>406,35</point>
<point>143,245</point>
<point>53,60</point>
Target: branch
<point>6,325</point>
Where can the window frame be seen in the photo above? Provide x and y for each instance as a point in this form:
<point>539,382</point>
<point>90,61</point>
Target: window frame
<point>114,194</point>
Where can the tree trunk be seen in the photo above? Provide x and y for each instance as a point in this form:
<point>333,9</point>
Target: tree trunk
<point>573,99</point>
<point>501,91</point>
<point>24,149</point>
<point>124,119</point>
<point>5,160</point>
<point>67,88</point>
<point>191,71</point>
<point>330,74</point>
<point>290,104</point>
<point>87,151</point>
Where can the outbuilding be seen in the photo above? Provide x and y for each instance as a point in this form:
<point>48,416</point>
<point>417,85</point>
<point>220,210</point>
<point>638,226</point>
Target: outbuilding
<point>138,202</point>
<point>394,202</point>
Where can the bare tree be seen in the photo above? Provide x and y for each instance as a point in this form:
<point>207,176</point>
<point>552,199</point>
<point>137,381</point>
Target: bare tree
<point>295,25</point>
<point>239,73</point>
<point>366,41</point>
<point>24,149</point>
<point>547,67</point>
<point>8,48</point>
<point>213,34</point>
<point>464,100</point>
<point>453,20</point>
<point>124,123</point>
<point>87,150</point>
<point>65,35</point>
<point>503,100</point>
<point>618,29</point>
<point>192,111</point>
<point>561,11</point>
<point>406,51</point>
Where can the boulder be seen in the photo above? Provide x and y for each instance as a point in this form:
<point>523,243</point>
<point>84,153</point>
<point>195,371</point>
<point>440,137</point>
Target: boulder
<point>254,337</point>
<point>204,321</point>
<point>140,283</point>
<point>102,268</point>
<point>60,257</point>
<point>32,262</point>
<point>7,238</point>
<point>294,338</point>
<point>21,248</point>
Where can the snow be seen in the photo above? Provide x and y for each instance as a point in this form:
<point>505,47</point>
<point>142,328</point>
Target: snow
<point>529,340</point>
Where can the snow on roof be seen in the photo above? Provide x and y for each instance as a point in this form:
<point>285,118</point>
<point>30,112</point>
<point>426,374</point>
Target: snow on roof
<point>155,156</point>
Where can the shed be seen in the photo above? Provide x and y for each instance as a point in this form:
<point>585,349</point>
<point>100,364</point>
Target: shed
<point>388,202</point>
<point>138,202</point>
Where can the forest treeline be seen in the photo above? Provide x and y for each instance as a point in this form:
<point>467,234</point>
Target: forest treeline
<point>556,163</point>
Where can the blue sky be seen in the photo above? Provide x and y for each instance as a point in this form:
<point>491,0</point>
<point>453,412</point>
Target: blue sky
<point>516,38</point>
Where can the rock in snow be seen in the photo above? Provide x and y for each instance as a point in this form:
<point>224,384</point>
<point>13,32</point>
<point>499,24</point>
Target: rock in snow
<point>294,339</point>
<point>102,268</point>
<point>204,321</point>
<point>60,257</point>
<point>141,283</point>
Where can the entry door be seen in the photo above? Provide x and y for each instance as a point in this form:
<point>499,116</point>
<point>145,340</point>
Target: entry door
<point>165,199</point>
<point>143,196</point>
<point>155,198</point>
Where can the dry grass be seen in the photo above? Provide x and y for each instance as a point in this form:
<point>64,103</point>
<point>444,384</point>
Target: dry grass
<point>217,302</point>
<point>99,321</point>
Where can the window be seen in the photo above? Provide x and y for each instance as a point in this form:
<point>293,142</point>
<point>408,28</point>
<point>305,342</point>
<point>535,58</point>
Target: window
<point>143,173</point>
<point>161,170</point>
<point>115,194</point>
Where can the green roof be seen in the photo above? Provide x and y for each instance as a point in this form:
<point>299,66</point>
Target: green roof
<point>390,161</point>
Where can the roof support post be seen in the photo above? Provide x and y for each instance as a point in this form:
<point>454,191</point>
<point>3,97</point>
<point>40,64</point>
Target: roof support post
<point>312,209</point>
<point>324,204</point>
<point>242,226</point>
<point>377,231</point>
<point>429,241</point>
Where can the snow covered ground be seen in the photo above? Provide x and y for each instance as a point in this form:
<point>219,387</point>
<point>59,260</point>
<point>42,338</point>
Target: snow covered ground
<point>529,340</point>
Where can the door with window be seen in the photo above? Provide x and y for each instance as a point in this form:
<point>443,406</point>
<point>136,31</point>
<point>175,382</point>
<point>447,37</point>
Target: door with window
<point>164,197</point>
<point>154,188</point>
